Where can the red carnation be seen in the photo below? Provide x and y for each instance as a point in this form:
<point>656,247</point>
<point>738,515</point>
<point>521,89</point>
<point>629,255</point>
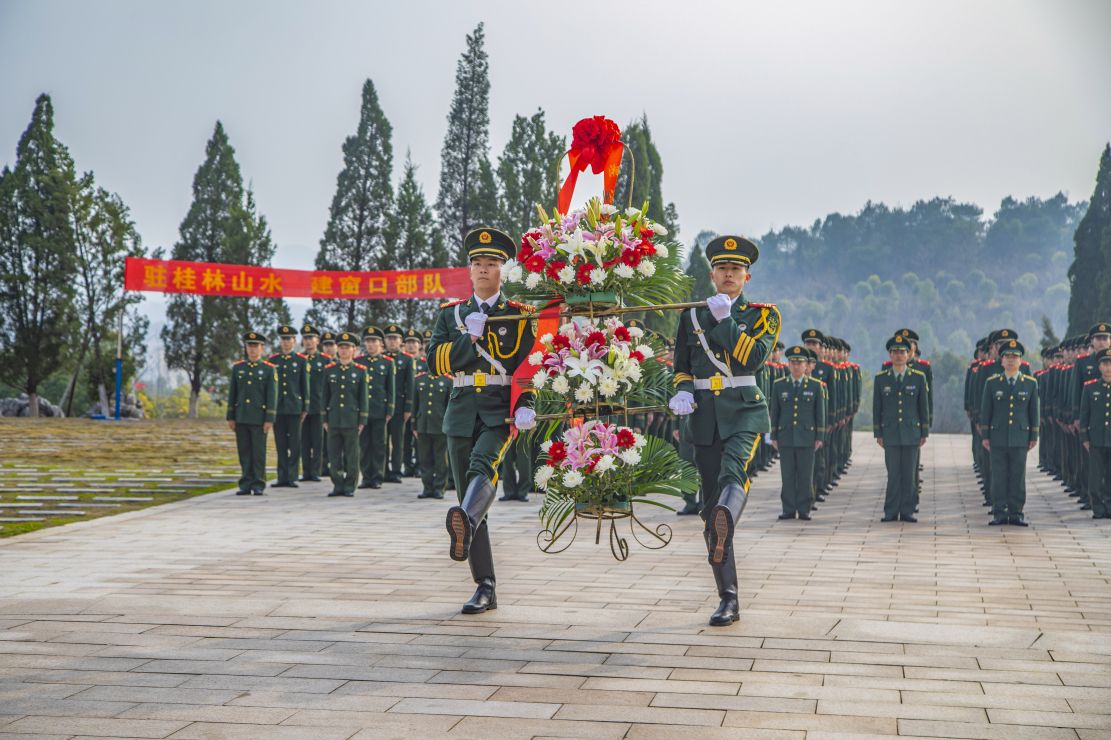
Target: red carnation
<point>595,338</point>
<point>557,453</point>
<point>622,334</point>
<point>554,267</point>
<point>625,438</point>
<point>630,257</point>
<point>646,247</point>
<point>524,253</point>
<point>535,263</point>
<point>647,233</point>
<point>634,355</point>
<point>560,342</point>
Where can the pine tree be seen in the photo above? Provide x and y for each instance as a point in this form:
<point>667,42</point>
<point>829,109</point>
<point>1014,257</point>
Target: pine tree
<point>527,171</point>
<point>1090,301</point>
<point>466,147</point>
<point>37,268</point>
<point>248,242</point>
<point>646,177</point>
<point>198,336</point>
<point>412,242</point>
<point>355,235</point>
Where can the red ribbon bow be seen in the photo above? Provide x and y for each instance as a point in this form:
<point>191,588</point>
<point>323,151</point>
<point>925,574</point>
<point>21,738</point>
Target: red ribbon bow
<point>595,143</point>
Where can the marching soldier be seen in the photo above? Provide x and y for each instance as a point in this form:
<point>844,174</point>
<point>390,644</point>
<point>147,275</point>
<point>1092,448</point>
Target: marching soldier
<point>430,399</point>
<point>344,402</point>
<point>328,352</point>
<point>798,421</point>
<point>718,350</point>
<point>1009,424</point>
<point>403,402</point>
<point>814,340</point>
<point>293,405</point>
<point>1095,435</point>
<point>312,429</point>
<point>900,419</point>
<point>482,358</point>
<point>380,407</point>
<point>252,405</point>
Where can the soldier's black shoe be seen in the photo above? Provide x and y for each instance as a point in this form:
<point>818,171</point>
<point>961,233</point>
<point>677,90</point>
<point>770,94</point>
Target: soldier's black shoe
<point>911,519</point>
<point>523,499</point>
<point>366,484</point>
<point>375,486</point>
<point>804,517</point>
<point>1086,506</point>
<point>987,503</point>
<point>348,494</point>
<point>728,612</point>
<point>259,493</point>
<point>1018,521</point>
<point>393,478</point>
<point>280,484</point>
<point>464,519</point>
<point>292,484</point>
<point>888,519</point>
<point>335,493</point>
<point>507,497</point>
<point>485,599</point>
<point>242,493</point>
<point>723,521</point>
<point>820,499</point>
<point>425,494</point>
<point>997,521</point>
<point>790,516</point>
<point>689,508</point>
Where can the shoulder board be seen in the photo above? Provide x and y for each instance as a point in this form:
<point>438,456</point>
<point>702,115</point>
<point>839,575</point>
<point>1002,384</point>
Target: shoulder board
<point>856,366</point>
<point>330,364</point>
<point>916,372</point>
<point>407,354</point>
<point>997,375</point>
<point>1081,357</point>
<point>275,355</point>
<point>361,367</point>
<point>1093,380</point>
<point>923,362</point>
<point>302,356</point>
<point>524,307</point>
<point>883,372</point>
<point>449,304</point>
<point>887,363</point>
<point>780,380</point>
<point>387,357</point>
<point>271,364</point>
<point>1025,363</point>
<point>240,362</point>
<point>819,382</point>
<point>422,374</point>
<point>763,305</point>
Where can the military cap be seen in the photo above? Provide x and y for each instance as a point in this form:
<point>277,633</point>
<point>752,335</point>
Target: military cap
<point>845,346</point>
<point>327,337</point>
<point>487,242</point>
<point>798,352</point>
<point>812,335</point>
<point>811,354</point>
<point>1099,329</point>
<point>1012,347</point>
<point>1003,335</point>
<point>393,330</point>
<point>779,345</point>
<point>253,337</point>
<point>898,342</point>
<point>346,337</point>
<point>285,330</point>
<point>373,331</point>
<point>412,333</point>
<point>732,249</point>
<point>308,330</point>
<point>1103,354</point>
<point>428,335</point>
<point>910,334</point>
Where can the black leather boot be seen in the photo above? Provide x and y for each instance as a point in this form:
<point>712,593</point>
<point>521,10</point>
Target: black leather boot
<point>463,520</point>
<point>725,576</point>
<point>482,570</point>
<point>723,521</point>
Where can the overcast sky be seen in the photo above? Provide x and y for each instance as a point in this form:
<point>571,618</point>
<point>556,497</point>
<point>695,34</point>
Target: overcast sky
<point>765,113</point>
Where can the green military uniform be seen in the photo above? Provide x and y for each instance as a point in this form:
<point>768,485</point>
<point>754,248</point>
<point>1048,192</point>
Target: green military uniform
<point>312,428</point>
<point>1009,416</point>
<point>798,423</point>
<point>404,371</point>
<point>823,372</point>
<point>482,364</point>
<point>328,353</point>
<point>716,361</point>
<point>412,344</point>
<point>900,419</point>
<point>381,379</point>
<point>252,402</point>
<point>293,401</point>
<point>345,402</point>
<point>430,400</point>
<point>1095,434</point>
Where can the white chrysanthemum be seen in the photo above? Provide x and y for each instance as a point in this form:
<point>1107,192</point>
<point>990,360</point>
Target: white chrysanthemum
<point>546,445</point>
<point>547,338</point>
<point>632,212</point>
<point>630,457</point>
<point>661,251</point>
<point>646,268</point>
<point>633,371</point>
<point>635,332</point>
<point>512,271</point>
<point>572,478</point>
<point>566,274</point>
<point>659,229</point>
<point>543,474</point>
<point>607,209</point>
<point>533,280</point>
<point>560,384</point>
<point>567,330</point>
<point>623,271</point>
<point>536,358</point>
<point>584,393</point>
<point>644,349</point>
<point>597,276</point>
<point>639,440</point>
<point>608,386</point>
<point>539,379</point>
<point>605,462</point>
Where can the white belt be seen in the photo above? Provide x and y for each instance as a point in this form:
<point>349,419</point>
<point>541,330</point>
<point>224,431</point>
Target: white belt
<point>720,382</point>
<point>479,380</point>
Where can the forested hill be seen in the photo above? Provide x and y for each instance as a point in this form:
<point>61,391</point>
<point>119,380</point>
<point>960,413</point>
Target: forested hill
<point>939,266</point>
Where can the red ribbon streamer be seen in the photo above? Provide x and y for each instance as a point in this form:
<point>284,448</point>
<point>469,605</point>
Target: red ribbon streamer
<point>595,143</point>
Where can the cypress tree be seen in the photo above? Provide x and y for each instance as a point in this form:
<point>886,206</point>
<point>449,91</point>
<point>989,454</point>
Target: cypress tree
<point>37,267</point>
<point>1089,300</point>
<point>464,192</point>
<point>646,179</point>
<point>355,235</point>
<point>527,171</point>
<point>699,268</point>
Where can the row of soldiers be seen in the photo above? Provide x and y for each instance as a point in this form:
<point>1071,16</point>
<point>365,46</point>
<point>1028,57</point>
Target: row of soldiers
<point>1074,386</point>
<point>374,416</point>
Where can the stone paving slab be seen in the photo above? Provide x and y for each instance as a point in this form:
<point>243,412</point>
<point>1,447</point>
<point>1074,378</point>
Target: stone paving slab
<point>293,615</point>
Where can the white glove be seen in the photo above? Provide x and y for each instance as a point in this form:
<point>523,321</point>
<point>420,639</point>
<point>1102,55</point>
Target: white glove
<point>682,403</point>
<point>719,305</point>
<point>475,322</point>
<point>524,418</point>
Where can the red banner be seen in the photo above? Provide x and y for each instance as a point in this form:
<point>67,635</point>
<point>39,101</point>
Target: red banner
<point>215,278</point>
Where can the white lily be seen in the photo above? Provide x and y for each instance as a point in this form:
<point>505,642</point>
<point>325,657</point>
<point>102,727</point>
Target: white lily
<point>580,367</point>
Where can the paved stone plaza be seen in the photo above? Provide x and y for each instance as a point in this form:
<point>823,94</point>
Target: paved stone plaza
<point>296,616</point>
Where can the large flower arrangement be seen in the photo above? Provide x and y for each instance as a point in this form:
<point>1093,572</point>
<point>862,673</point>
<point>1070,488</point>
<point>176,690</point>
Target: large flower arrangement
<point>587,359</point>
<point>596,249</point>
